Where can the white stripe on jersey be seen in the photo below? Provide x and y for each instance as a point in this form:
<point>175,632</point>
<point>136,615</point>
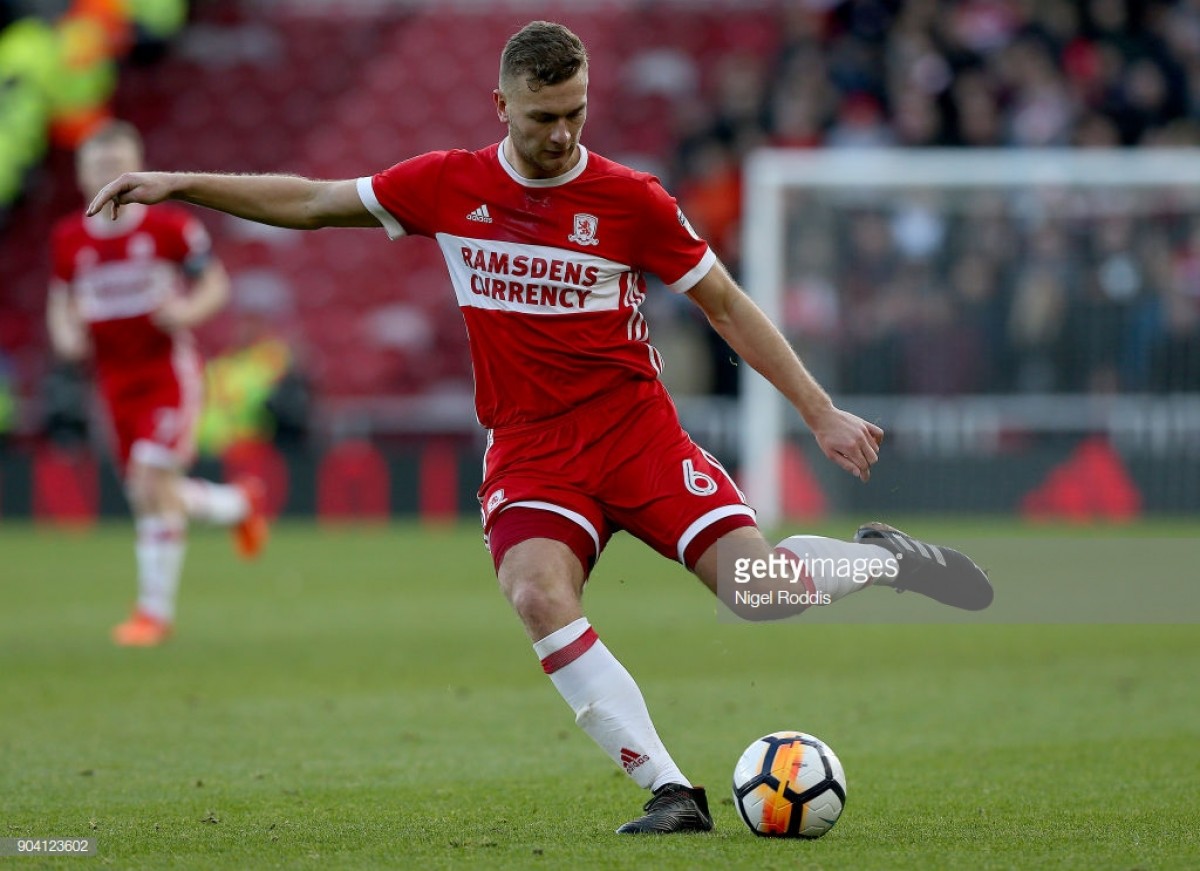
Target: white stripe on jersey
<point>656,360</point>
<point>366,193</point>
<point>636,329</point>
<point>119,289</point>
<point>532,279</point>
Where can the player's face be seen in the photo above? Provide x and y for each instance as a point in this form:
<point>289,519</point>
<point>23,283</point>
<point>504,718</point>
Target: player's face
<point>544,125</point>
<point>100,162</point>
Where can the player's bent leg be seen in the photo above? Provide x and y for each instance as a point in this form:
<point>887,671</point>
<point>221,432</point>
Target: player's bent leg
<point>830,569</point>
<point>240,505</point>
<point>749,543</point>
<point>746,539</point>
<point>543,578</point>
<point>822,569</point>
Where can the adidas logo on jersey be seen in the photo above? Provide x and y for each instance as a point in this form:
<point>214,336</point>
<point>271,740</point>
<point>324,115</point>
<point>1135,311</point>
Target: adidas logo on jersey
<point>481,215</point>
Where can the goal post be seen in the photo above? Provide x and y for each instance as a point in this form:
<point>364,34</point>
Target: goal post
<point>1133,180</point>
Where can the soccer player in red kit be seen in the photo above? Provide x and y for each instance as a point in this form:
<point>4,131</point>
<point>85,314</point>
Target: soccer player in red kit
<point>548,246</point>
<point>119,295</point>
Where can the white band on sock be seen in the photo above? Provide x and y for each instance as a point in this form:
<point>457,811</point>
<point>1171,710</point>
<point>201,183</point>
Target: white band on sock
<point>560,638</point>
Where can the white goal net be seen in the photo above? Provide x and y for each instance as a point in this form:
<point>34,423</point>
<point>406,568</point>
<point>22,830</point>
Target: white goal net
<point>958,297</point>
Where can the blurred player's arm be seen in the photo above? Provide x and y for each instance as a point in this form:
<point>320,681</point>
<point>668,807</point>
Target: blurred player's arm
<point>68,335</point>
<point>279,200</point>
<point>846,439</point>
<point>208,294</point>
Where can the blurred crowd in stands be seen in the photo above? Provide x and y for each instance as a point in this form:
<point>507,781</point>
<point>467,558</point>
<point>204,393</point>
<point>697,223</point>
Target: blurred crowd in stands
<point>935,295</point>
<point>996,292</point>
<point>977,303</point>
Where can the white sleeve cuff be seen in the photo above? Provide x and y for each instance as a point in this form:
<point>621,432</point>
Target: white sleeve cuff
<point>366,193</point>
<point>693,275</point>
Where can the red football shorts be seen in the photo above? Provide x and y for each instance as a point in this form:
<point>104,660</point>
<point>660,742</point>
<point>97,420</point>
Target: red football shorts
<point>154,411</point>
<point>621,461</point>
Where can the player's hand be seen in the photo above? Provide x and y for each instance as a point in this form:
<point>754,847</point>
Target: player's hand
<point>849,441</point>
<point>132,187</point>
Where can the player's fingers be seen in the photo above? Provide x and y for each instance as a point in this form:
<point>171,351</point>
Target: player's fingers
<point>98,202</point>
<point>876,433</point>
<point>864,458</point>
<point>101,200</point>
<point>850,465</point>
<point>867,446</point>
<point>110,193</point>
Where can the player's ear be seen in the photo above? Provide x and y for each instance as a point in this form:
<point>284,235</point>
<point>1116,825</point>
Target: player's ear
<point>501,105</point>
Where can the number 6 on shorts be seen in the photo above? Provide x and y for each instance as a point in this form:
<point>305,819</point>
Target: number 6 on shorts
<point>697,482</point>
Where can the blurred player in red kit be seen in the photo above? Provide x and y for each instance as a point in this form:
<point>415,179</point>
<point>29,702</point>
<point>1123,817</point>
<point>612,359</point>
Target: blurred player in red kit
<point>548,245</point>
<point>126,293</point>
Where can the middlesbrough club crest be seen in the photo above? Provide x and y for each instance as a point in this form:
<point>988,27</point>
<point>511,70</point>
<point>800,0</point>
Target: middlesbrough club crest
<point>585,229</point>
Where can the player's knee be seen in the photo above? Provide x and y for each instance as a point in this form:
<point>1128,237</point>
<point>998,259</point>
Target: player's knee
<point>537,596</point>
<point>540,593</point>
<point>743,541</point>
<point>543,581</point>
<point>137,491</point>
<point>149,490</point>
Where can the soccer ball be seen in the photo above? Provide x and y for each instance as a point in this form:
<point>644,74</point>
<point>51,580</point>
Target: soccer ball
<point>789,785</point>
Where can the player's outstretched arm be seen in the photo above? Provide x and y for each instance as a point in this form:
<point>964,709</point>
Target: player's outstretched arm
<point>279,200</point>
<point>844,438</point>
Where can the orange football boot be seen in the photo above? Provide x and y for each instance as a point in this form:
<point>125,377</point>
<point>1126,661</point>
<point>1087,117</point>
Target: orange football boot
<point>250,535</point>
<point>141,630</point>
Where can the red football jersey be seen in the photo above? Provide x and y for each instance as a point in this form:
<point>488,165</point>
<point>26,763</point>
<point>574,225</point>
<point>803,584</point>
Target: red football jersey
<point>549,273</point>
<point>120,274</point>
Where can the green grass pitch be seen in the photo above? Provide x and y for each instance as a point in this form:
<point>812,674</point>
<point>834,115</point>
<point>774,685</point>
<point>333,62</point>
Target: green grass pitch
<point>365,699</point>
